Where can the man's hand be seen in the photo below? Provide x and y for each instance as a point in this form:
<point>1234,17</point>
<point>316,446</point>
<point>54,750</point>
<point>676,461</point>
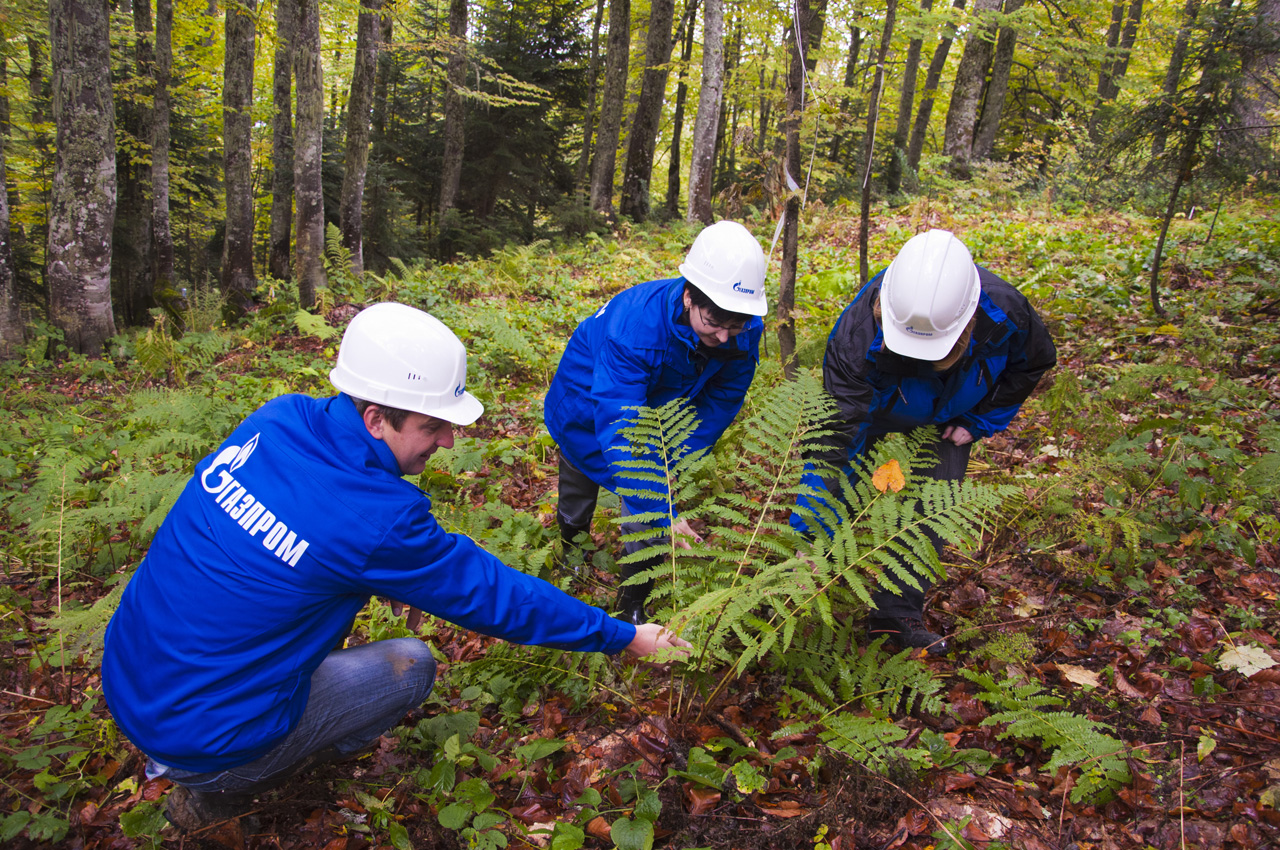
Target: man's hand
<point>957,434</point>
<point>682,529</point>
<point>651,637</point>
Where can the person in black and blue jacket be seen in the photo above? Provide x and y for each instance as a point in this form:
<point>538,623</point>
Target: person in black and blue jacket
<point>934,339</point>
<point>696,336</point>
<point>220,664</point>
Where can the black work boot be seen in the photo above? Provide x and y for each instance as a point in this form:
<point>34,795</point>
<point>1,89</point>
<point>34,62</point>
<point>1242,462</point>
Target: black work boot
<point>907,633</point>
<point>190,810</point>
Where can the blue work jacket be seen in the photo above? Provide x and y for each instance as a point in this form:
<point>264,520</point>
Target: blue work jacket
<point>640,351</point>
<point>271,550</point>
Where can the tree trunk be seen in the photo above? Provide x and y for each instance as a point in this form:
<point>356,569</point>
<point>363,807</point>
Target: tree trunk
<point>356,155</point>
<point>1173,75</point>
<point>162,257</point>
<point>279,250</point>
<point>850,75</point>
<point>131,255</point>
<point>906,101</point>
<point>617,58</point>
<point>237,157</point>
<point>931,80</point>
<point>309,126</point>
<point>1120,41</point>
<point>962,114</point>
<point>707,124</point>
<point>11,330</point>
<point>811,23</point>
<point>589,120</point>
<point>684,35</point>
<point>454,112</point>
<point>634,203</point>
<point>83,195</point>
<point>984,140</point>
<point>869,141</point>
<point>1257,97</point>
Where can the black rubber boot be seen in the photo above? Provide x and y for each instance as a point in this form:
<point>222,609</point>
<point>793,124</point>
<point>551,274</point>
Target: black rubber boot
<point>191,811</point>
<point>907,633</point>
<point>631,598</point>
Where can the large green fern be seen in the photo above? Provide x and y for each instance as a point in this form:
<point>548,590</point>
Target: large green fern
<point>757,585</point>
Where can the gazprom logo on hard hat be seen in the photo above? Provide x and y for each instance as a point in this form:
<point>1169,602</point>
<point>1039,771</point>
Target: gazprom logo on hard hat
<point>911,330</point>
<point>738,287</point>
<point>459,390</point>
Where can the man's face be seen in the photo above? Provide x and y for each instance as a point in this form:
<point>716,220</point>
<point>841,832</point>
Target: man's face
<point>417,440</point>
<point>710,334</point>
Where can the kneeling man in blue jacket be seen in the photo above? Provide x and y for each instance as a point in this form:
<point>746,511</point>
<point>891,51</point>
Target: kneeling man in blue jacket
<point>697,337</point>
<point>220,662</point>
<point>934,339</point>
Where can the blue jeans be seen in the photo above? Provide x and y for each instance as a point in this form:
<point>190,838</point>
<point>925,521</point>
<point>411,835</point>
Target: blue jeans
<point>356,695</point>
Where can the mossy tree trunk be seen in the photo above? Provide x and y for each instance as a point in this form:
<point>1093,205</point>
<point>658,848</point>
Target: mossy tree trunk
<point>359,112</point>
<point>706,126</point>
<point>238,281</point>
<point>634,203</point>
<point>82,205</point>
<point>604,163</point>
<point>279,247</point>
<point>308,144</point>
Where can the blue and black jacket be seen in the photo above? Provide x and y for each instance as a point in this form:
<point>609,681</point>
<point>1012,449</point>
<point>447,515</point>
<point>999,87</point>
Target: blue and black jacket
<point>274,546</point>
<point>640,351</point>
<point>878,392</point>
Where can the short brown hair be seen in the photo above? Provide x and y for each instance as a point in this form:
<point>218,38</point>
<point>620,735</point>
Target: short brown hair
<point>394,416</point>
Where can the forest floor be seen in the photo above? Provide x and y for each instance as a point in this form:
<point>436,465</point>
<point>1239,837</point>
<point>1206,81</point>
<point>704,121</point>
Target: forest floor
<point>1132,649</point>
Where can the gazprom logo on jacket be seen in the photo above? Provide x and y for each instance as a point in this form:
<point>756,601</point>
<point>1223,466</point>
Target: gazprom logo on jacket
<point>245,509</point>
<point>738,287</point>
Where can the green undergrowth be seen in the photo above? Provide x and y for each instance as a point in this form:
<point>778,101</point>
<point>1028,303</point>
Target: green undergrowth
<point>1151,454</point>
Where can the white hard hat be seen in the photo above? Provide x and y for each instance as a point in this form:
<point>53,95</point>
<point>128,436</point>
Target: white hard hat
<point>930,292</point>
<point>726,263</point>
<point>399,356</point>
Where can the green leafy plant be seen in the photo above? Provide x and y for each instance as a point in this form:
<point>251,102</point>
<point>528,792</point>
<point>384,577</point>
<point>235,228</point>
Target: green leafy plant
<point>1099,761</point>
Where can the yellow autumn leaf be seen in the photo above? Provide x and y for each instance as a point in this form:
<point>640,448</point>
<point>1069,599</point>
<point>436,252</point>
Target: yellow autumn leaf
<point>889,475</point>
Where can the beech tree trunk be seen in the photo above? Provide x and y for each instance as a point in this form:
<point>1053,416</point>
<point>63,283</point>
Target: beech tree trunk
<point>454,112</point>
<point>634,203</point>
<point>162,257</point>
<point>237,137</point>
<point>589,120</point>
<point>962,114</point>
<point>359,112</point>
<point>309,127</point>
<point>927,97</point>
<point>617,59</point>
<point>706,126</point>
<point>906,102</point>
<point>869,140</point>
<point>82,205</point>
<point>984,139</point>
<point>279,249</point>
